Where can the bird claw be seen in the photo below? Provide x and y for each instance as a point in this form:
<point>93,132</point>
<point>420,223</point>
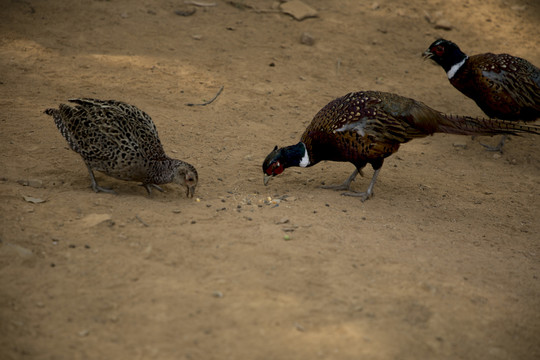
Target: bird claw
<point>497,148</point>
<point>149,187</point>
<point>346,184</point>
<point>362,195</point>
<point>98,189</point>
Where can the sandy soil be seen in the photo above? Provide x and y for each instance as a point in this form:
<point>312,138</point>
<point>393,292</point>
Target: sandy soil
<point>443,263</point>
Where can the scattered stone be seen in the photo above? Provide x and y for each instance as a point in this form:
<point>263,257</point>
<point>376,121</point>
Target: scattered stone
<point>443,24</point>
<point>298,10</point>
<point>307,39</point>
<point>282,221</point>
<point>199,3</point>
<point>92,220</point>
<point>147,250</point>
<point>519,7</point>
<point>84,333</point>
<point>217,294</point>
<point>290,228</point>
<point>19,250</point>
<point>460,144</point>
<point>35,183</point>
<point>185,12</point>
<point>497,156</point>
<point>33,200</point>
<point>375,6</point>
<point>196,37</point>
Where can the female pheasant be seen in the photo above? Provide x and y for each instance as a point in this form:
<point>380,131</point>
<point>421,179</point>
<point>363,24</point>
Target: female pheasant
<point>368,126</point>
<point>121,141</point>
<point>503,86</point>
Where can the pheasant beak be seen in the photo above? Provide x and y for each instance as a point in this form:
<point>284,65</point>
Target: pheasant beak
<point>190,190</point>
<point>266,179</point>
<point>427,54</point>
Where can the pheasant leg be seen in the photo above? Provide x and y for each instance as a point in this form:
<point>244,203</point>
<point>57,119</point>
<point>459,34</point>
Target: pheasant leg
<point>95,185</point>
<point>369,193</point>
<point>149,187</point>
<point>347,184</point>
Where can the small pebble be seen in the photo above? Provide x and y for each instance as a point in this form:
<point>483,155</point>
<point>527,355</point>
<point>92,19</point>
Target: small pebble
<point>307,39</point>
<point>460,145</point>
<point>443,25</point>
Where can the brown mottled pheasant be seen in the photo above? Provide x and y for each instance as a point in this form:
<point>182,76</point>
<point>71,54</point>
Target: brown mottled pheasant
<point>368,126</point>
<point>121,141</point>
<point>503,86</point>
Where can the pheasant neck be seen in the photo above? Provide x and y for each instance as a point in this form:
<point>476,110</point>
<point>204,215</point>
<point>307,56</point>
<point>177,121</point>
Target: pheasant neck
<point>455,68</point>
<point>162,171</point>
<point>295,155</point>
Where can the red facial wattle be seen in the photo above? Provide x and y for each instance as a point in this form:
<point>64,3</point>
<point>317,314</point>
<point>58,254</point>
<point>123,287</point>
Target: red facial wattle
<point>275,169</point>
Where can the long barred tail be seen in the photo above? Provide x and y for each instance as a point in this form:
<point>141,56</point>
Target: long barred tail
<point>59,122</point>
<point>466,125</point>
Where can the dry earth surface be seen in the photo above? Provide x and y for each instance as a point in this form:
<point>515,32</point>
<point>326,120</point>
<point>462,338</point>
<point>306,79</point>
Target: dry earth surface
<point>443,263</point>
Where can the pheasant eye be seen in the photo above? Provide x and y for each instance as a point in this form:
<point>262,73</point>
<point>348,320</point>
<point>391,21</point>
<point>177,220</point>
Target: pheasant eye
<point>275,168</point>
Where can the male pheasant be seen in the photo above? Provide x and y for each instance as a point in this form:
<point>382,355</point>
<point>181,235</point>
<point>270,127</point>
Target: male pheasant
<point>503,86</point>
<point>121,141</point>
<point>368,126</point>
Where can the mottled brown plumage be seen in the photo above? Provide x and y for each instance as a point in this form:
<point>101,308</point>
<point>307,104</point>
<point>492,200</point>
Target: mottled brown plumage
<point>503,86</point>
<point>121,141</point>
<point>368,126</point>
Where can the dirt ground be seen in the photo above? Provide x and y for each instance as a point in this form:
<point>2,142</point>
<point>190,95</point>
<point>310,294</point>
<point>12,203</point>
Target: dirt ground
<point>443,262</point>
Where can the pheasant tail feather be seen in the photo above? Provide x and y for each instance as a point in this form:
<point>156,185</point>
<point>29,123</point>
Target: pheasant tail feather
<point>466,125</point>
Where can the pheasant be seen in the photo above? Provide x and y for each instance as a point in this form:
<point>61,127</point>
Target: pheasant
<point>121,141</point>
<point>368,126</point>
<point>503,86</point>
